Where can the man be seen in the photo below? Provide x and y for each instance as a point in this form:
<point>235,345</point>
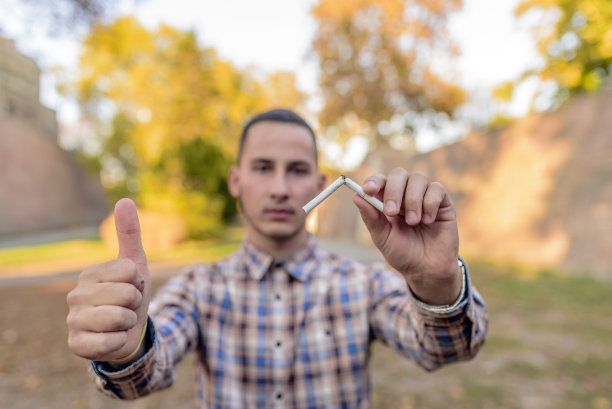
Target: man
<point>282,323</point>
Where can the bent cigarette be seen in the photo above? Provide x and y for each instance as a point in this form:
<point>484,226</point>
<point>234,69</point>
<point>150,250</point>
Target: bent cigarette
<point>342,180</point>
<point>323,195</point>
<point>359,190</point>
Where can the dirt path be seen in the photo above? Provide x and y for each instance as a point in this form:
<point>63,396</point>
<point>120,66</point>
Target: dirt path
<point>549,347</point>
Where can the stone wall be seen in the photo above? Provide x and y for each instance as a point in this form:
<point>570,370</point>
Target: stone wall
<point>537,192</point>
<point>41,185</point>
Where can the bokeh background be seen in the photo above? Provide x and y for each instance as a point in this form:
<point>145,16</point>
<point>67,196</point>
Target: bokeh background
<point>507,103</point>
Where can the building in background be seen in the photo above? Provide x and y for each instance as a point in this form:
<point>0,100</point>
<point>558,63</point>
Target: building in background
<point>42,187</point>
<point>20,90</point>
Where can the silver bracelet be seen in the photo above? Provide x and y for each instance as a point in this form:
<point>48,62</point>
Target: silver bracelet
<point>448,307</point>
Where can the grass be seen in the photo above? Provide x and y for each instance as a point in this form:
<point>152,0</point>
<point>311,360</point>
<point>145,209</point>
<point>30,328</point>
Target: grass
<point>73,255</point>
<point>52,252</point>
<point>549,346</point>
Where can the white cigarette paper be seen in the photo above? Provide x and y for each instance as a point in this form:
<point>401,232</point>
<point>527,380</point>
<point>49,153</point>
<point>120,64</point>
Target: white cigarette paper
<point>358,189</point>
<point>323,195</point>
<point>342,180</point>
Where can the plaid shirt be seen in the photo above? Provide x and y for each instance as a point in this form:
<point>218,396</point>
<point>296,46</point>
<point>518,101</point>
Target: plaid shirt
<point>291,334</point>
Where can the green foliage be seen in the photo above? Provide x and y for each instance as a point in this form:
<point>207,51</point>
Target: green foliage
<point>198,169</point>
<point>170,113</point>
<point>377,66</point>
<point>575,39</point>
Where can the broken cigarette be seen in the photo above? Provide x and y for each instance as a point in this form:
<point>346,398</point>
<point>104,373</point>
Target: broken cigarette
<point>323,195</point>
<point>342,180</point>
<point>359,190</point>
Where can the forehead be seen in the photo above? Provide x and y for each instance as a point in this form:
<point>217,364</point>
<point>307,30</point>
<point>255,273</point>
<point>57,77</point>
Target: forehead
<point>279,141</point>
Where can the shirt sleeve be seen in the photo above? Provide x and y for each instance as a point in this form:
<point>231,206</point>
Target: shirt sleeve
<point>432,337</point>
<point>173,331</point>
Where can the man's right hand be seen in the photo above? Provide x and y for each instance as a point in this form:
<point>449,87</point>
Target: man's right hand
<point>109,305</point>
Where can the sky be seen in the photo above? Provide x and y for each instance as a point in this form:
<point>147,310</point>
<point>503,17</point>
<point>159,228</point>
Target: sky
<point>276,35</point>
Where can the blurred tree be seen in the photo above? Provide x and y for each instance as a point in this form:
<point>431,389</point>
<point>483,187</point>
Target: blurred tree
<point>67,16</point>
<point>174,112</point>
<point>575,39</point>
<point>381,67</point>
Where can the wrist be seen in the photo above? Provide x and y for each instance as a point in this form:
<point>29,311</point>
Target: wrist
<point>134,356</point>
<point>441,292</point>
<point>462,295</point>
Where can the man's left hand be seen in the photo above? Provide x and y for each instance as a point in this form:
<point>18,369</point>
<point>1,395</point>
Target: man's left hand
<point>417,233</point>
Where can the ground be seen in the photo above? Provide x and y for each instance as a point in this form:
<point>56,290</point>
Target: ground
<point>549,346</point>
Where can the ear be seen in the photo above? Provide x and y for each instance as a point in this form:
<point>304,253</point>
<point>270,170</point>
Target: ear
<point>233,181</point>
<point>322,181</point>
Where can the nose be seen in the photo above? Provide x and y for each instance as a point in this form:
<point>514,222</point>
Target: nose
<point>280,187</point>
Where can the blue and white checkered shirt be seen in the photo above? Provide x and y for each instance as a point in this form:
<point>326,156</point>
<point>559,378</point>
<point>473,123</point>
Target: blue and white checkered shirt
<point>294,333</point>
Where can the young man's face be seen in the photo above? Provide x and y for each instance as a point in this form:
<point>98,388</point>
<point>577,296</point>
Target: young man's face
<point>276,176</point>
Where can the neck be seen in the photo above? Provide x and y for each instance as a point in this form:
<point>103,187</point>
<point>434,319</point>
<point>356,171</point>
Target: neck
<point>279,248</point>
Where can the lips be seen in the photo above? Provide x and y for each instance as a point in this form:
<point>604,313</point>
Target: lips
<point>279,213</point>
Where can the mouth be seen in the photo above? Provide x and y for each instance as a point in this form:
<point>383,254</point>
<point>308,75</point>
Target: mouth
<point>279,213</point>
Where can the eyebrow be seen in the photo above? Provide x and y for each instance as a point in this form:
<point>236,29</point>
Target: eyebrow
<point>291,163</point>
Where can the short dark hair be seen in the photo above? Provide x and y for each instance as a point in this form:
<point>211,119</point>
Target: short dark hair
<point>277,115</point>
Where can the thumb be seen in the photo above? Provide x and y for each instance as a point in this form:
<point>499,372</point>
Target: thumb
<point>128,232</point>
<point>376,222</point>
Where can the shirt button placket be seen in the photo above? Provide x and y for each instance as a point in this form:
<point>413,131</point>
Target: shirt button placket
<point>278,320</point>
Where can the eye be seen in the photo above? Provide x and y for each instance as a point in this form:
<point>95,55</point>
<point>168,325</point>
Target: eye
<point>261,167</point>
<point>299,170</point>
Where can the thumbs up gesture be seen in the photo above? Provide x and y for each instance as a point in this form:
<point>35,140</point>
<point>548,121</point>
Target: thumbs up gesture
<point>108,307</point>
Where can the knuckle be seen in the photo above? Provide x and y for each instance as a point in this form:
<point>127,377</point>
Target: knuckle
<point>136,297</point>
<point>413,203</point>
<point>122,320</point>
<point>129,296</point>
<point>398,172</point>
<point>413,197</point>
<point>88,273</point>
<point>99,347</point>
<point>116,321</point>
<point>131,318</point>
<point>74,343</point>
<point>128,269</point>
<point>80,345</point>
<point>376,178</point>
<point>71,320</point>
<point>430,202</point>
<point>110,342</point>
<point>420,174</point>
<point>73,298</point>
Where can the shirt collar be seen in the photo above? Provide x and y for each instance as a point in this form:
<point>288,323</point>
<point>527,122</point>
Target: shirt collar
<point>300,264</point>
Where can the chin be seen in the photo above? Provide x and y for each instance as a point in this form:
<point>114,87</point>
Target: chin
<point>281,234</point>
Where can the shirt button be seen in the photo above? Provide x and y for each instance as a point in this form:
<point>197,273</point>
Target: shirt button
<point>279,396</point>
<point>277,297</point>
<point>279,344</point>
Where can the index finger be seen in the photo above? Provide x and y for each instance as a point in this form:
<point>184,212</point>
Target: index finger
<point>374,184</point>
<point>118,271</point>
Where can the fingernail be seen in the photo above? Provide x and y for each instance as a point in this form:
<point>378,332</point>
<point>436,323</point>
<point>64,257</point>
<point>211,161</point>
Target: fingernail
<point>369,185</point>
<point>390,206</point>
<point>412,217</point>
